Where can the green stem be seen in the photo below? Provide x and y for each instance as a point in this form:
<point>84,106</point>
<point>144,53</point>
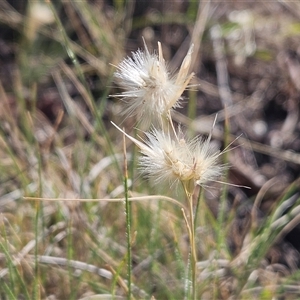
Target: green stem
<point>193,248</point>
<point>191,231</point>
<point>199,200</point>
<point>36,264</point>
<point>128,223</point>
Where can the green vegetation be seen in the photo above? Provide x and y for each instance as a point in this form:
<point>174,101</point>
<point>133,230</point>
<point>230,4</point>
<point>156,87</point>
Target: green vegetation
<point>78,221</point>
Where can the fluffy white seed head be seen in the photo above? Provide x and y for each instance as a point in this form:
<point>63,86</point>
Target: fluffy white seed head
<point>173,159</point>
<point>150,91</point>
<point>178,160</point>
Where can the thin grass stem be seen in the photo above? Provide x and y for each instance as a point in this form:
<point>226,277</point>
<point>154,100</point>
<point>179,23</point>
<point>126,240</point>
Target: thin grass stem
<point>8,292</point>
<point>141,198</point>
<point>198,204</point>
<point>13,268</point>
<point>191,231</point>
<point>70,253</point>
<point>10,263</point>
<point>36,264</point>
<point>38,214</point>
<point>128,222</point>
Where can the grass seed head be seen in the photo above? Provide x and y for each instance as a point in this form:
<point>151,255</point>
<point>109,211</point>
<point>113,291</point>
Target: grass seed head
<point>179,160</point>
<point>173,159</point>
<point>150,91</point>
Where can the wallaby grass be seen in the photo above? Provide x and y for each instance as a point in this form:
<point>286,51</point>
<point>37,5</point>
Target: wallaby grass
<point>80,250</point>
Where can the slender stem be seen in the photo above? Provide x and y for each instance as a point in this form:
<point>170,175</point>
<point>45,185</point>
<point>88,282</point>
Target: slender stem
<point>187,279</point>
<point>140,198</point>
<point>199,198</point>
<point>36,264</point>
<point>128,221</point>
<point>171,123</point>
<point>191,231</point>
<point>193,248</point>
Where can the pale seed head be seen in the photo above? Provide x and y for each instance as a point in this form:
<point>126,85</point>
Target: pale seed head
<point>150,91</point>
<point>173,160</point>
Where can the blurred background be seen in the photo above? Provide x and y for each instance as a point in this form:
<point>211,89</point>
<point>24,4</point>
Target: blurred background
<point>57,60</point>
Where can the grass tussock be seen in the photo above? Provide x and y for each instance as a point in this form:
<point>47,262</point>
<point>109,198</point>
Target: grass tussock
<point>171,202</point>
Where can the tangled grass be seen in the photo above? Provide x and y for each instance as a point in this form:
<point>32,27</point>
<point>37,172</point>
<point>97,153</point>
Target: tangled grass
<point>78,221</point>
